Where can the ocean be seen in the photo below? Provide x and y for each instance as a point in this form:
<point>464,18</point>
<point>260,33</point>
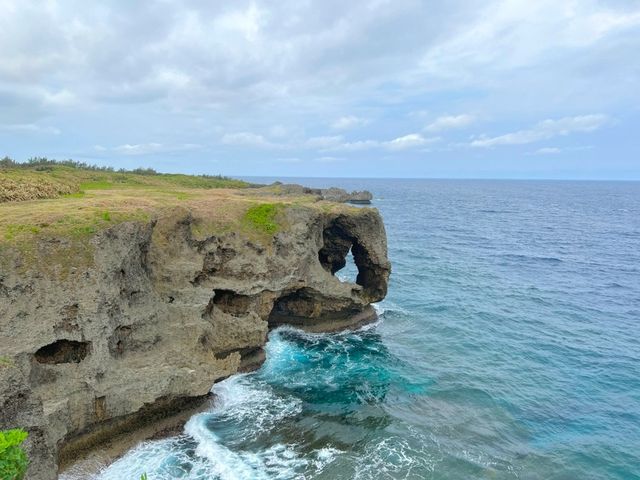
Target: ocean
<point>508,347</point>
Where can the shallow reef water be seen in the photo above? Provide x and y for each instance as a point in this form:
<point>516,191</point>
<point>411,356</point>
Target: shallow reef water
<point>508,348</point>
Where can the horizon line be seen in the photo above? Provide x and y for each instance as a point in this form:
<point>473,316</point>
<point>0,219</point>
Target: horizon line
<point>442,178</point>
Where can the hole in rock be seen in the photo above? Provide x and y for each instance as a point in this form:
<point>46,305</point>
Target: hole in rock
<point>231,302</point>
<point>291,306</point>
<point>119,341</point>
<point>341,244</point>
<point>63,351</point>
<point>336,254</point>
<point>348,273</point>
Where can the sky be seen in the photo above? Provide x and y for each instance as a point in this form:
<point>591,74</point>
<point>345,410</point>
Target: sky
<point>377,88</point>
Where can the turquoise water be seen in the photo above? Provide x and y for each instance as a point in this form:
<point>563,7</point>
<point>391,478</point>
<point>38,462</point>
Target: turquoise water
<point>508,348</point>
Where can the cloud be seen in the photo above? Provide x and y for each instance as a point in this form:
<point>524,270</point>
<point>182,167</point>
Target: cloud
<point>146,148</point>
<point>302,78</point>
<point>448,122</point>
<point>348,122</point>
<point>545,130</point>
<point>405,142</point>
<point>245,139</point>
<point>356,146</point>
<point>412,140</point>
<point>511,34</point>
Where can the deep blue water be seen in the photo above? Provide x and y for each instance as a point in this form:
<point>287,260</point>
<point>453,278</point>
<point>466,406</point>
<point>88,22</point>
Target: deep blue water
<point>508,348</point>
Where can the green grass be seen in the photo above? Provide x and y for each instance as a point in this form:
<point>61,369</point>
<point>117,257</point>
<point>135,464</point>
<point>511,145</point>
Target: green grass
<point>13,460</point>
<point>97,185</point>
<point>262,217</point>
<point>5,362</point>
<point>15,230</point>
<point>20,182</point>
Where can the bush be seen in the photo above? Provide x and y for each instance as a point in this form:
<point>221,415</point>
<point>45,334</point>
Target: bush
<point>263,217</point>
<point>13,460</point>
<point>7,162</point>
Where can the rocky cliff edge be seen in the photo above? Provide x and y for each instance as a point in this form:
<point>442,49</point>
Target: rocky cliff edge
<point>111,329</point>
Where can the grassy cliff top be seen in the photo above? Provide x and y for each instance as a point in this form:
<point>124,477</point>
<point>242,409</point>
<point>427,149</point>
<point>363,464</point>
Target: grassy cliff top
<point>49,179</point>
<point>50,199</point>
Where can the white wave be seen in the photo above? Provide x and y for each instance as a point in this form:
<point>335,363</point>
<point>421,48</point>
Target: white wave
<point>279,461</point>
<point>396,457</point>
<point>225,464</point>
<point>161,459</point>
<point>379,308</point>
<point>252,404</point>
<point>249,404</point>
<point>253,408</point>
<point>389,306</point>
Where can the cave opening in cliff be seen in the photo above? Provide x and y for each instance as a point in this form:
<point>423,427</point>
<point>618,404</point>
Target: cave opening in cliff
<point>341,252</point>
<point>63,351</point>
<point>340,246</point>
<point>348,273</point>
<point>336,253</point>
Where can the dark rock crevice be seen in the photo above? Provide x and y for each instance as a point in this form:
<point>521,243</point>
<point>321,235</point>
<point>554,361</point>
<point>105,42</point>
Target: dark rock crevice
<point>306,305</point>
<point>337,243</point>
<point>63,351</point>
<point>231,302</point>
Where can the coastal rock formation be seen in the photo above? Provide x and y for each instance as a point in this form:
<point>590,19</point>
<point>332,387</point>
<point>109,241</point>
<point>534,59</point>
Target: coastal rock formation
<point>142,323</point>
<point>339,195</point>
<point>332,194</point>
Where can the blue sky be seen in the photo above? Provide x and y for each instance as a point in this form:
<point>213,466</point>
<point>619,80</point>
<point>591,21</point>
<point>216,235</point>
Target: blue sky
<point>377,88</point>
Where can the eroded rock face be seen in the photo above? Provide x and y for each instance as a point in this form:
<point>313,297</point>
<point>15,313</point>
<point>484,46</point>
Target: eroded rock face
<point>161,314</point>
<point>332,194</point>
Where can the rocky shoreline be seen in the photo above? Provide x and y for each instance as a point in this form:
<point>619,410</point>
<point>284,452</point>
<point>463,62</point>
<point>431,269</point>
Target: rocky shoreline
<point>332,194</point>
<point>125,337</point>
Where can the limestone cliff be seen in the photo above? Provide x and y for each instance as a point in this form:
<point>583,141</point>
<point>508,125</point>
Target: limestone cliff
<point>151,313</point>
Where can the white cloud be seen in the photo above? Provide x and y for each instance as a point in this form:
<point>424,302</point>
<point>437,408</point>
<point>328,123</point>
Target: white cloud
<point>448,122</point>
<point>405,142</point>
<point>247,22</point>
<point>348,122</point>
<point>412,140</point>
<point>292,76</point>
<point>356,146</point>
<point>245,139</point>
<point>139,148</point>
<point>509,34</point>
<point>129,149</point>
<point>545,130</point>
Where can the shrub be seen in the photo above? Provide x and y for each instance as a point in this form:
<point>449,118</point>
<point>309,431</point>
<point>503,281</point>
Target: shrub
<point>263,217</point>
<point>13,460</point>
